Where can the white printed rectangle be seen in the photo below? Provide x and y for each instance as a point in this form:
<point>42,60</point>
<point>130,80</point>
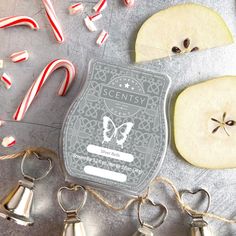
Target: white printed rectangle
<point>106,174</point>
<point>106,152</point>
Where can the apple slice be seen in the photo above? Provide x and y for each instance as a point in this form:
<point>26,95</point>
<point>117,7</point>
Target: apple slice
<point>179,29</point>
<point>205,123</point>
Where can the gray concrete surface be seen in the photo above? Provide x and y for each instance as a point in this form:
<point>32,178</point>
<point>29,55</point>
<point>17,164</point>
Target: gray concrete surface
<point>41,126</point>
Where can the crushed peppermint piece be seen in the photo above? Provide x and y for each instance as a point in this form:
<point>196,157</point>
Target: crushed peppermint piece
<point>100,6</point>
<point>89,24</point>
<point>6,79</point>
<point>76,8</point>
<point>102,38</point>
<point>96,16</point>
<point>8,141</point>
<point>19,56</point>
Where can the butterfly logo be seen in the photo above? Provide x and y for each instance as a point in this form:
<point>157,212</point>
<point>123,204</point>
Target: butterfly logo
<point>110,131</point>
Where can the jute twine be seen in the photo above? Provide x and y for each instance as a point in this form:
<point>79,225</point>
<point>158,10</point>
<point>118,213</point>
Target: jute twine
<point>105,202</point>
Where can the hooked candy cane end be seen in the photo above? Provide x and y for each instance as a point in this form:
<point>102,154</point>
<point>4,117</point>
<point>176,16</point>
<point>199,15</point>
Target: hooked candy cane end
<point>37,85</point>
<point>18,20</point>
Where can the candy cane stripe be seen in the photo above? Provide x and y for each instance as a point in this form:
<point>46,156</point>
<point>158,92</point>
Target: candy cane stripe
<point>100,6</point>
<point>8,141</point>
<point>102,38</point>
<point>77,7</point>
<point>95,16</point>
<point>39,82</point>
<point>19,56</point>
<point>56,27</point>
<point>18,20</point>
<point>6,80</point>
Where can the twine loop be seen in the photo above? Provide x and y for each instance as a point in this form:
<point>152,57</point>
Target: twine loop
<point>140,199</point>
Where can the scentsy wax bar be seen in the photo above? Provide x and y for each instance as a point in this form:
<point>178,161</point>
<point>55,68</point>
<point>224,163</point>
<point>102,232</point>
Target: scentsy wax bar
<point>115,134</point>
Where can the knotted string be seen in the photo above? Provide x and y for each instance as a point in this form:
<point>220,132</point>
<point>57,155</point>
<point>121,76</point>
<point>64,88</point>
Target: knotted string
<point>28,152</point>
<point>105,202</point>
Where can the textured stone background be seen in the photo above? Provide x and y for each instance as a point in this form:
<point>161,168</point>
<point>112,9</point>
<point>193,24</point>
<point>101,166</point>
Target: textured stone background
<point>41,126</point>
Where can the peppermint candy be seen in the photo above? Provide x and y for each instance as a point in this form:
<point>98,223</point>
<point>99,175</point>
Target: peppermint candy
<point>100,6</point>
<point>89,24</point>
<point>56,27</point>
<point>6,80</point>
<point>95,17</point>
<point>18,20</point>
<point>39,82</point>
<point>102,38</point>
<point>76,8</point>
<point>8,141</point>
<point>19,56</point>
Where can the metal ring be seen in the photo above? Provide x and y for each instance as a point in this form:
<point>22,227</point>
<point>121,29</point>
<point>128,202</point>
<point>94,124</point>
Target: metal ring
<point>161,206</point>
<point>39,158</point>
<point>182,193</point>
<point>73,188</point>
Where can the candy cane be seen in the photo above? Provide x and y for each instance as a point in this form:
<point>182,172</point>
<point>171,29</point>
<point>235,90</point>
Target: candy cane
<point>39,82</point>
<point>128,3</point>
<point>56,27</point>
<point>6,79</point>
<point>8,141</point>
<point>19,56</point>
<point>18,20</point>
<point>77,7</point>
<point>100,6</point>
<point>102,38</point>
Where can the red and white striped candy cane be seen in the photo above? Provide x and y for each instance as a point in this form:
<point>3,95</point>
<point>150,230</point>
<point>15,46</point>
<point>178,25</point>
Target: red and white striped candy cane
<point>56,27</point>
<point>11,21</point>
<point>39,82</point>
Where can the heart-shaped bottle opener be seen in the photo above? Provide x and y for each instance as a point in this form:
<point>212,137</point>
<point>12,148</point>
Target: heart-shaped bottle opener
<point>73,226</point>
<point>199,227</point>
<point>146,229</point>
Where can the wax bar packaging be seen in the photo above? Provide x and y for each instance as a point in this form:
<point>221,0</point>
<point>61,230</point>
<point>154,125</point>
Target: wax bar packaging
<point>115,134</point>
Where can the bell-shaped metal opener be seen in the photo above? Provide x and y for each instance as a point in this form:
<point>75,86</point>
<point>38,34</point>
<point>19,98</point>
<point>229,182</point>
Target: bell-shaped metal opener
<point>199,227</point>
<point>73,226</point>
<point>147,229</point>
<point>16,206</point>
